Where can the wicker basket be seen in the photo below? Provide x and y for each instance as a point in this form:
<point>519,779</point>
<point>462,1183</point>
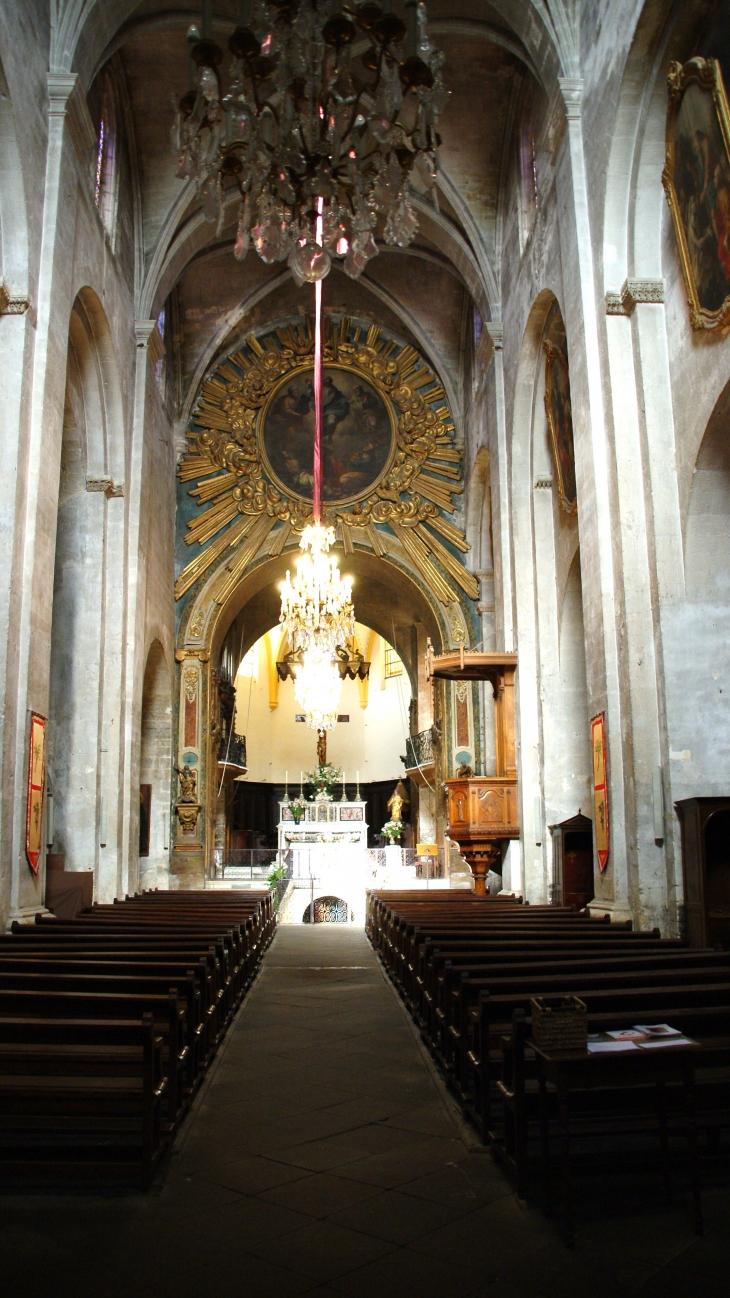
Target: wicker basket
<point>559,1023</point>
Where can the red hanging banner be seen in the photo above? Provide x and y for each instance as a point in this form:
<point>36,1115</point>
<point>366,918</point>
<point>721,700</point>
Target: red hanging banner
<point>36,780</point>
<point>600,789</point>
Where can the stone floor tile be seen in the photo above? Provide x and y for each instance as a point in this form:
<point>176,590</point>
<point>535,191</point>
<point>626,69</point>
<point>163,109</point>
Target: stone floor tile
<point>466,1184</point>
<point>253,1175</point>
<point>398,1167</point>
<point>394,1216</point>
<point>403,1274</point>
<point>321,1194</point>
<point>241,1275</point>
<point>325,1251</point>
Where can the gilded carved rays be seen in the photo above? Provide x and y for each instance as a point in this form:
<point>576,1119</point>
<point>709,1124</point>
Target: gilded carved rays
<point>241,503</point>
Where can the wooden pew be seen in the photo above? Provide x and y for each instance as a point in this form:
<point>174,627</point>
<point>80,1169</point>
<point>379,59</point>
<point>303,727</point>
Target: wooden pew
<point>80,1101</point>
<point>181,963</point>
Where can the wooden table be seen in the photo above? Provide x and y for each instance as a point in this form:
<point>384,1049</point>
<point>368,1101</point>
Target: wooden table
<point>581,1070</point>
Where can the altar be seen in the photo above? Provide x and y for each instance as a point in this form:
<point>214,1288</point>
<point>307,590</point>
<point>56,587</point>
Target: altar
<point>327,834</point>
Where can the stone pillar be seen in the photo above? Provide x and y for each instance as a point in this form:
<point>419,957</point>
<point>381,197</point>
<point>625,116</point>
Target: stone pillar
<point>641,399</point>
<point>70,134</point>
<point>501,497</point>
<point>485,608</point>
<point>602,604</point>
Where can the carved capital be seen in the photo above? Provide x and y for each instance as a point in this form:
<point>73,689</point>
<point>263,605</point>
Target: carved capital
<point>10,305</point>
<point>101,482</point>
<point>633,292</point>
<point>641,290</point>
<point>571,88</point>
<point>143,330</point>
<point>203,655</point>
<point>67,99</point>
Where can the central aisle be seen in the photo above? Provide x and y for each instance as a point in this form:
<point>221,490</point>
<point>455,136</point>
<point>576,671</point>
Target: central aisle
<point>325,1111</point>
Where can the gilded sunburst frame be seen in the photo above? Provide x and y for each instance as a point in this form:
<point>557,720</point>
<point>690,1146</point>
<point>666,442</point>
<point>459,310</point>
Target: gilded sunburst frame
<point>696,180</point>
<point>246,500</point>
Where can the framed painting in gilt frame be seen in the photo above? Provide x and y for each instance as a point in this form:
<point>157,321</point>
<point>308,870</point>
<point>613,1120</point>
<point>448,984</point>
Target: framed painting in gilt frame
<point>36,782</point>
<point>559,414</point>
<point>696,180</point>
<point>600,789</point>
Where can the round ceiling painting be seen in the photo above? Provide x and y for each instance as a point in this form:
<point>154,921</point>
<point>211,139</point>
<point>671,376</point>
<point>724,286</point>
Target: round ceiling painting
<point>358,434</point>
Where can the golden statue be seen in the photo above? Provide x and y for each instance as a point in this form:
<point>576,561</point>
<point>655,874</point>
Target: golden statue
<point>397,801</point>
<point>188,784</point>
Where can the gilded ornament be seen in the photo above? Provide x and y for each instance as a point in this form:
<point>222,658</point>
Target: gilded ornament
<point>248,496</point>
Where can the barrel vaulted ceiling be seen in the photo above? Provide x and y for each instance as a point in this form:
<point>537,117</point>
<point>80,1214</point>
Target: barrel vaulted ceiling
<point>495,54</point>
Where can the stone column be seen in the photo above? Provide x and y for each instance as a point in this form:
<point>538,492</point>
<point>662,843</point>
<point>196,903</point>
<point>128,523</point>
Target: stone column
<point>70,135</point>
<point>134,664</point>
<point>501,496</point>
<point>595,475</point>
<point>641,395</point>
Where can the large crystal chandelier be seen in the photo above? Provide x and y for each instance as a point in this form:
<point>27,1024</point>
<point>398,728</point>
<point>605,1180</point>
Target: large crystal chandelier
<point>309,114</point>
<point>316,604</point>
<point>317,687</point>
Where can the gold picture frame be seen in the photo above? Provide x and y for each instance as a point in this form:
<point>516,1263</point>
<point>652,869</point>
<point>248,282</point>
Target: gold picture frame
<point>696,179</point>
<point>559,415</point>
<point>366,421</point>
<point>243,496</point>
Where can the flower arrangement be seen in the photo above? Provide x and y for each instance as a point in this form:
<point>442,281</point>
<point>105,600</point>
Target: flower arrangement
<point>322,779</point>
<point>392,830</point>
<point>297,806</point>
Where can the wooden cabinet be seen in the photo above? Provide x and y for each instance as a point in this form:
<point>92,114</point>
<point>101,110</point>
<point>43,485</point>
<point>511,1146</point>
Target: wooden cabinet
<point>705,824</point>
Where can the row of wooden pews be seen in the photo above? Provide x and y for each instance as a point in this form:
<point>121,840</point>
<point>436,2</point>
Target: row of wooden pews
<point>468,968</point>
<point>108,1024</point>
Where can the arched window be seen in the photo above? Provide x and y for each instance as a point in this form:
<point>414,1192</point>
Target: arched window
<point>105,175</point>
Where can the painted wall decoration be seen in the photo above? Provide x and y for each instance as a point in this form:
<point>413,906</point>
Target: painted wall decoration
<point>36,781</point>
<point>390,458</point>
<point>600,789</point>
<point>559,412</point>
<point>696,179</point>
<point>358,434</point>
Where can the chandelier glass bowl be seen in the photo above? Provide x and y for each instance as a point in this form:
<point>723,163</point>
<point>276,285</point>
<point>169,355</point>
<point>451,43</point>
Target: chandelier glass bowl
<point>324,99</point>
<point>316,604</point>
<point>317,688</point>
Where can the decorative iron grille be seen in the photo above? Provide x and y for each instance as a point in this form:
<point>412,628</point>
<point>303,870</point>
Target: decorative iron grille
<point>327,910</point>
<point>232,751</point>
<point>419,749</point>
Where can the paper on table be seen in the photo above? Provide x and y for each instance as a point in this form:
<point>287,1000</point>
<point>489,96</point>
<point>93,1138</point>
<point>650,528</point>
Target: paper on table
<point>610,1047</point>
<point>665,1041</point>
<point>627,1034</point>
<point>657,1030</point>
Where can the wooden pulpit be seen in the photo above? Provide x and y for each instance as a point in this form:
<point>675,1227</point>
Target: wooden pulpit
<point>482,810</point>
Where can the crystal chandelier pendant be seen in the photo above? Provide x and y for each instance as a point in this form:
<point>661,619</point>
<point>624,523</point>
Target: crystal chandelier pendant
<point>316,604</point>
<point>317,689</point>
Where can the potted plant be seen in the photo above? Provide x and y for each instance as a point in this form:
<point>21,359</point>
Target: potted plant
<point>322,781</point>
<point>297,806</point>
<point>392,830</point>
